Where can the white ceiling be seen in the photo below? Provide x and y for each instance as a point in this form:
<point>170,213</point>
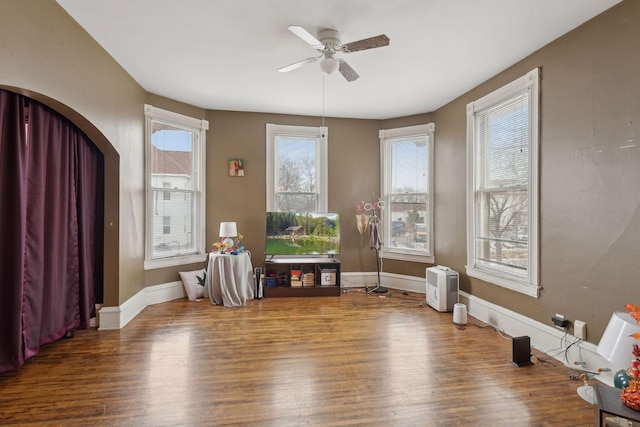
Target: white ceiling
<point>225,54</point>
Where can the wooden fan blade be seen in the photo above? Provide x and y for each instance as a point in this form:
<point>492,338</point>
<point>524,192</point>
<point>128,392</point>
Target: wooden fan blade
<point>306,36</point>
<point>347,72</point>
<point>298,64</point>
<point>370,43</point>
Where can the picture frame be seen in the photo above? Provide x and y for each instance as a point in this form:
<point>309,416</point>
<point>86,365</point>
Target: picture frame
<point>236,167</point>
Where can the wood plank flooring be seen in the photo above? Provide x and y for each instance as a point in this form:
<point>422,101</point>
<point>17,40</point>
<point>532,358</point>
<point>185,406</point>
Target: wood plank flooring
<point>356,359</point>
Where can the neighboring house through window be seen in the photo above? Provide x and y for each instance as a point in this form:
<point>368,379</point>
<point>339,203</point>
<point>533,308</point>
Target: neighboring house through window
<point>407,192</point>
<point>296,168</point>
<point>175,147</point>
<point>167,194</point>
<point>502,192</point>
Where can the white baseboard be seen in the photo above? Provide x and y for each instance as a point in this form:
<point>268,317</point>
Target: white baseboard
<point>390,280</point>
<point>357,280</point>
<point>543,337</point>
<point>165,292</point>
<point>118,317</point>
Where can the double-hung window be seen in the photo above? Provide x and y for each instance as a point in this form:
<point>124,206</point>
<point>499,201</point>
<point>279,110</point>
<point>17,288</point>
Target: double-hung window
<point>296,168</point>
<point>502,187</point>
<point>175,177</point>
<point>407,192</point>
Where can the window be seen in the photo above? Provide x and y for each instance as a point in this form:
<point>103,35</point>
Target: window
<point>502,191</point>
<point>407,190</point>
<point>296,168</point>
<point>175,146</point>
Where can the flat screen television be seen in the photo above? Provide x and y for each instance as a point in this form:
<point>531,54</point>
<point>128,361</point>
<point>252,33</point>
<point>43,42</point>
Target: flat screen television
<point>303,234</point>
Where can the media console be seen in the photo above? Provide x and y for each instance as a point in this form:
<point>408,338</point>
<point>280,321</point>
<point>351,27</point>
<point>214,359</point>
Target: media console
<point>278,277</point>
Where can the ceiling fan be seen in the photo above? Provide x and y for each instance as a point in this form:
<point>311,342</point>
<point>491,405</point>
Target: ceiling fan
<point>328,44</point>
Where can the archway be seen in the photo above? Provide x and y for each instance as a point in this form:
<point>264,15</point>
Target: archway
<point>111,202</point>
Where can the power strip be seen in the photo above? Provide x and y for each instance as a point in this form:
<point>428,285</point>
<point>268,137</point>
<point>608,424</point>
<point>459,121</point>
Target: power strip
<point>560,322</point>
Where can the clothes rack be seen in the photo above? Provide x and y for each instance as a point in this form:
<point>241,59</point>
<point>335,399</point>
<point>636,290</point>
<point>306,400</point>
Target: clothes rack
<point>375,242</point>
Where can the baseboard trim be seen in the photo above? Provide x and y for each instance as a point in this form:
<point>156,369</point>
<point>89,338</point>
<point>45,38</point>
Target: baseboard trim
<point>396,281</point>
<point>544,337</point>
<point>118,317</point>
<point>165,292</point>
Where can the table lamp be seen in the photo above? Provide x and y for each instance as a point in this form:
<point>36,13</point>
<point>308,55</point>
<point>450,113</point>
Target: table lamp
<point>616,344</point>
<point>227,231</point>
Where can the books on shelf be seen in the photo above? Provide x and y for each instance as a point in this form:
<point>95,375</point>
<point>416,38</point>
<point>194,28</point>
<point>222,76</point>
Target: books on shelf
<point>308,279</point>
<point>295,278</point>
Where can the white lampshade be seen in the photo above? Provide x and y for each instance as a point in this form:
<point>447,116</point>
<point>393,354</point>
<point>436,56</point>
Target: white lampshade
<point>228,229</point>
<point>329,65</point>
<point>616,343</point>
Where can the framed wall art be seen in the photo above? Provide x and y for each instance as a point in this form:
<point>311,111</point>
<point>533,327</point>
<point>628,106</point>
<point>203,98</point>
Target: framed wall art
<point>236,167</point>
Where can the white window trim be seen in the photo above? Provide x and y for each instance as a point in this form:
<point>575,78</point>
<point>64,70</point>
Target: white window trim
<point>200,127</point>
<point>409,131</point>
<point>322,133</point>
<point>530,286</point>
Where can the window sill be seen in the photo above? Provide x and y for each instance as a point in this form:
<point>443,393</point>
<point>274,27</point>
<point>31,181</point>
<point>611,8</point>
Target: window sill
<point>427,259</point>
<point>173,261</point>
<point>506,282</point>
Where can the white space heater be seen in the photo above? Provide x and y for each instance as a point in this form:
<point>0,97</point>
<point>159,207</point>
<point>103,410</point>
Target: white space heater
<point>442,288</point>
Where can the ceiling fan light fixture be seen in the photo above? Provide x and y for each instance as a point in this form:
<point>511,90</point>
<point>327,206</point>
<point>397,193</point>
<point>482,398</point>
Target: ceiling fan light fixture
<point>328,44</point>
<point>329,65</point>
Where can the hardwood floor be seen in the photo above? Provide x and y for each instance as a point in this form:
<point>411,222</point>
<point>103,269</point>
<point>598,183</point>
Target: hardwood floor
<point>355,359</point>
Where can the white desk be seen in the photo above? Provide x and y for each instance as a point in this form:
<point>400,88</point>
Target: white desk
<point>229,279</point>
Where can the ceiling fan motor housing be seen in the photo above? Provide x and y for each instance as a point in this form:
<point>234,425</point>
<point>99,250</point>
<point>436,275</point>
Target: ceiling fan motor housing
<point>330,39</point>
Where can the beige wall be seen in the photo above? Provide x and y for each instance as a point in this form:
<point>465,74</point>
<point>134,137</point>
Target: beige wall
<point>48,56</point>
<point>353,176</point>
<point>590,220</point>
<point>589,198</point>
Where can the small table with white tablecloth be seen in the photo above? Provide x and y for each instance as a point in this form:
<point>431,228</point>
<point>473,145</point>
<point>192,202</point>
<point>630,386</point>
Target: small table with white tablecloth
<point>230,279</point>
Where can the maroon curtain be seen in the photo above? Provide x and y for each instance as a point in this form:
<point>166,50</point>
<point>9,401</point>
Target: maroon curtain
<point>90,205</point>
<point>13,147</point>
<point>61,242</point>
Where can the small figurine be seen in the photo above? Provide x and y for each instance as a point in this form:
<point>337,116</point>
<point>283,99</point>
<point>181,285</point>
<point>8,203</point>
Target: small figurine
<point>228,245</point>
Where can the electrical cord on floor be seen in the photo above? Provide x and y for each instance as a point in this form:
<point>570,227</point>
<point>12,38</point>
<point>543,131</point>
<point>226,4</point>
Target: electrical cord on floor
<point>415,302</point>
<point>550,356</point>
<point>349,290</point>
<point>558,350</point>
<point>396,295</point>
<point>566,350</point>
<point>404,296</point>
<point>565,345</point>
<point>487,325</point>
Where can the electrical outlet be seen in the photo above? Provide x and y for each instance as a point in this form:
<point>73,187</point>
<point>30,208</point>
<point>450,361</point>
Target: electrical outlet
<point>580,329</point>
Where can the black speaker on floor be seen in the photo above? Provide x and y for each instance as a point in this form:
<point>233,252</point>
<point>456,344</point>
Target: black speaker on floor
<point>521,351</point>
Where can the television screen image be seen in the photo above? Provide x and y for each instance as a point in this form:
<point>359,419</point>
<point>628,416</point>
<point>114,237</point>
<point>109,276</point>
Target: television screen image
<point>303,233</point>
